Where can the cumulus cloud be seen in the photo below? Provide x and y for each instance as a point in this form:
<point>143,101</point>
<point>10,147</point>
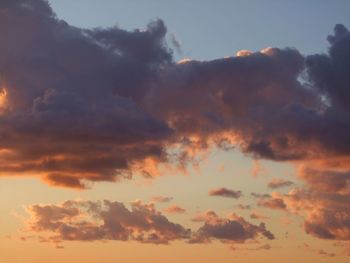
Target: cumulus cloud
<point>233,229</point>
<point>71,114</point>
<point>91,221</point>
<point>273,203</point>
<point>224,192</point>
<point>77,104</point>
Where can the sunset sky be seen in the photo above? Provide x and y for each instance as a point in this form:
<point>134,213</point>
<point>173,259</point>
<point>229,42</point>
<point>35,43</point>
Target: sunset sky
<point>174,131</point>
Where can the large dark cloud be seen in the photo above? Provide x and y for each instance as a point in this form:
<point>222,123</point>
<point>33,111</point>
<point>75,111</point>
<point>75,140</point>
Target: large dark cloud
<point>80,105</point>
<point>71,110</point>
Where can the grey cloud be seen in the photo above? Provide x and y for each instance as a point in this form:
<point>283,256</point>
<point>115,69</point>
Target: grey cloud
<point>224,192</point>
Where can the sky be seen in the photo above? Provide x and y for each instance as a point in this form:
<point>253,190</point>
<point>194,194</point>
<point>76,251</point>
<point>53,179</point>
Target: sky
<point>191,131</point>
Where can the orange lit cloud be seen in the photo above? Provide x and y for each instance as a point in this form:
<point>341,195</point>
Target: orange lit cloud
<point>277,183</point>
<point>175,209</point>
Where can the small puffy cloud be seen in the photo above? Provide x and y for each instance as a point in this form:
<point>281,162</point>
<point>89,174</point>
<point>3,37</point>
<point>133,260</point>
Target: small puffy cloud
<point>278,183</point>
<point>162,199</point>
<point>224,192</point>
<point>174,209</point>
<point>259,195</point>
<point>273,202</point>
<point>243,207</point>
<point>325,253</point>
<point>258,216</point>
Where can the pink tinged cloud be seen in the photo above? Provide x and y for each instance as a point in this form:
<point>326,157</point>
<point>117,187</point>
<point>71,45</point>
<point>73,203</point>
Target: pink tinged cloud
<point>174,209</point>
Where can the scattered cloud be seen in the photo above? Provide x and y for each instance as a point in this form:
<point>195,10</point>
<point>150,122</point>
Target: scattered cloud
<point>258,216</point>
<point>278,183</point>
<point>162,199</point>
<point>175,209</point>
<point>233,229</point>
<point>224,192</point>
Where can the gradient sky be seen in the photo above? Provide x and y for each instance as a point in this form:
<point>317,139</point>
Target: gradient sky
<point>300,191</point>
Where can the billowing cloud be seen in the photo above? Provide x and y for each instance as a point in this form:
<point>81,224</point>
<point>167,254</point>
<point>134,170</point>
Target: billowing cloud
<point>84,105</point>
<point>76,105</point>
<point>224,192</point>
<point>70,112</point>
<point>278,183</point>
